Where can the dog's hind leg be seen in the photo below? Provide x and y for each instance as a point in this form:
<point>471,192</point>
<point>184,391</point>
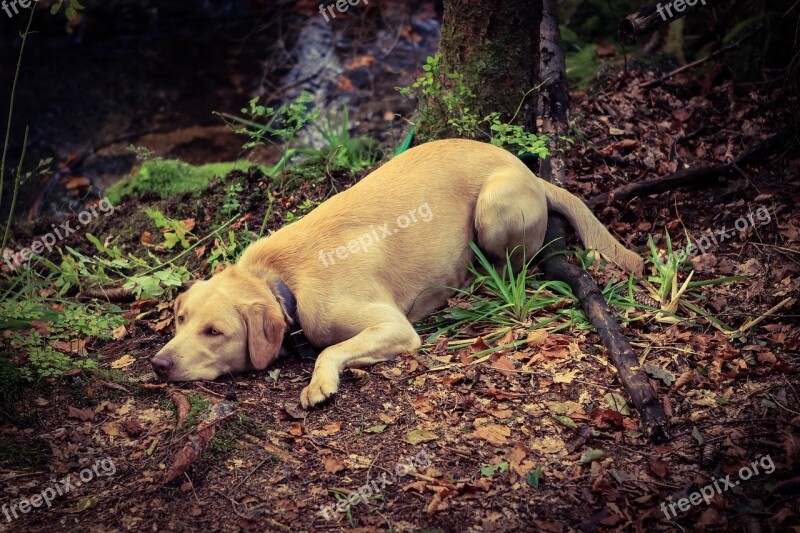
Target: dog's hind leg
<point>387,334</point>
<point>511,215</point>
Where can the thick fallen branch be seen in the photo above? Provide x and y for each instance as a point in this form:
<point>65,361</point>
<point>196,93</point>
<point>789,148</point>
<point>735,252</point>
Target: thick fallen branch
<point>625,359</point>
<point>699,176</point>
<point>654,15</point>
<point>556,120</point>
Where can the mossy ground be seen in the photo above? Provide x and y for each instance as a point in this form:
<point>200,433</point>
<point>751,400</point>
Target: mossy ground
<point>166,178</point>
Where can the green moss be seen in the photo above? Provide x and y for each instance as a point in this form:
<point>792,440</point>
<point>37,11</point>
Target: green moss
<point>167,177</point>
<point>199,405</point>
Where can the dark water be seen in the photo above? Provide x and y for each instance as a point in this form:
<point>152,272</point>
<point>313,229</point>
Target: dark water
<point>151,74</point>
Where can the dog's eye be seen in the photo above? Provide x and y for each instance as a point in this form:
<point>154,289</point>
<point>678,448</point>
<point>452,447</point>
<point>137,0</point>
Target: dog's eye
<point>213,332</point>
<point>180,319</point>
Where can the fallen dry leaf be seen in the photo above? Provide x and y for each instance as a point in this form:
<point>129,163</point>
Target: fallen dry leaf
<point>182,406</point>
<point>198,441</point>
<point>122,362</point>
<point>82,414</point>
<point>492,433</point>
<point>536,338</point>
<point>419,435</point>
<point>333,464</point>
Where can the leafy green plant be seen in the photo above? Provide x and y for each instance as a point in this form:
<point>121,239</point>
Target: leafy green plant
<point>501,300</point>
<point>504,134</point>
<point>225,252</point>
<point>283,122</point>
<point>73,323</point>
<point>667,266</point>
<point>175,231</point>
<point>263,124</point>
<point>673,294</point>
<point>342,150</point>
<point>266,123</point>
<point>348,508</point>
<point>47,362</point>
<point>158,283</point>
<point>71,11</point>
<point>444,98</point>
<point>231,205</point>
<point>444,101</point>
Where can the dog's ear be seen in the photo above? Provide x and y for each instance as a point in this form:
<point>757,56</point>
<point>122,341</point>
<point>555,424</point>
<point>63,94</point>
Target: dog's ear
<point>265,330</point>
<point>177,306</point>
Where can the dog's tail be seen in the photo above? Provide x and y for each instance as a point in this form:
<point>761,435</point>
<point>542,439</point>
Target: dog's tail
<point>592,232</point>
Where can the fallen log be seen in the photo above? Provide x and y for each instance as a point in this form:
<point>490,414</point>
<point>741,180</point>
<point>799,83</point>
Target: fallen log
<point>654,15</point>
<point>555,97</point>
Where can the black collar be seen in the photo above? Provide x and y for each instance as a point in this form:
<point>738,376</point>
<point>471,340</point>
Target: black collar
<point>294,339</point>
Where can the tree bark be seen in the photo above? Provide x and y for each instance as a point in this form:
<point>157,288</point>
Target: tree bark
<point>494,44</point>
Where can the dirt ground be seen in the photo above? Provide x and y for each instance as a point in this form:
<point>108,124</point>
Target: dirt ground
<point>523,441</point>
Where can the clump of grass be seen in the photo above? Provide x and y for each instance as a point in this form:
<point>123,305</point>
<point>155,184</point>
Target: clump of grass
<point>502,300</point>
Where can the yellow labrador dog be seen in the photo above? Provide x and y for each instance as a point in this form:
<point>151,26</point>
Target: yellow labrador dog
<point>360,268</point>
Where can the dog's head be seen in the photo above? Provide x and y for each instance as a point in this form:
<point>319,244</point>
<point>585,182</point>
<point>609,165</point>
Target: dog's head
<point>231,323</point>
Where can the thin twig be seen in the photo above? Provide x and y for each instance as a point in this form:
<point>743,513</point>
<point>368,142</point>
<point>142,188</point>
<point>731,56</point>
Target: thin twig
<point>702,60</point>
<point>11,105</point>
<point>15,194</point>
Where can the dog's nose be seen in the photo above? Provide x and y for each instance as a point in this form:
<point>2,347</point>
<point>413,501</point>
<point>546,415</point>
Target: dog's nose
<point>162,364</point>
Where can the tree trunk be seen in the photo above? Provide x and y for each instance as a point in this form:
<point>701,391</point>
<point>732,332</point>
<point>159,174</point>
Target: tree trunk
<point>494,44</point>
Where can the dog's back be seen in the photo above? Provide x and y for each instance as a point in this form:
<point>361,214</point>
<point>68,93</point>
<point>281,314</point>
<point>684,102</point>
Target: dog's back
<point>403,232</point>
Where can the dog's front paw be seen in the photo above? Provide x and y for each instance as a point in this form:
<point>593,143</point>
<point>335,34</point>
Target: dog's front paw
<point>323,385</point>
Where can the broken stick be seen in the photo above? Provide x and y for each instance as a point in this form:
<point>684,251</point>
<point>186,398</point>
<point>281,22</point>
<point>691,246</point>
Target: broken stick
<point>654,15</point>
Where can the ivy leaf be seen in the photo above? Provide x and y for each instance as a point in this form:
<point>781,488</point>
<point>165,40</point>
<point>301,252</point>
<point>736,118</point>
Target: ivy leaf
<point>170,240</point>
<point>534,477</point>
<point>592,455</point>
<point>488,470</point>
<point>419,435</point>
<point>617,403</point>
<point>566,421</point>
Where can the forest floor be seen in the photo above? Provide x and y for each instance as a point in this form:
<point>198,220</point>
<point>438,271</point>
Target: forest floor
<point>526,439</point>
